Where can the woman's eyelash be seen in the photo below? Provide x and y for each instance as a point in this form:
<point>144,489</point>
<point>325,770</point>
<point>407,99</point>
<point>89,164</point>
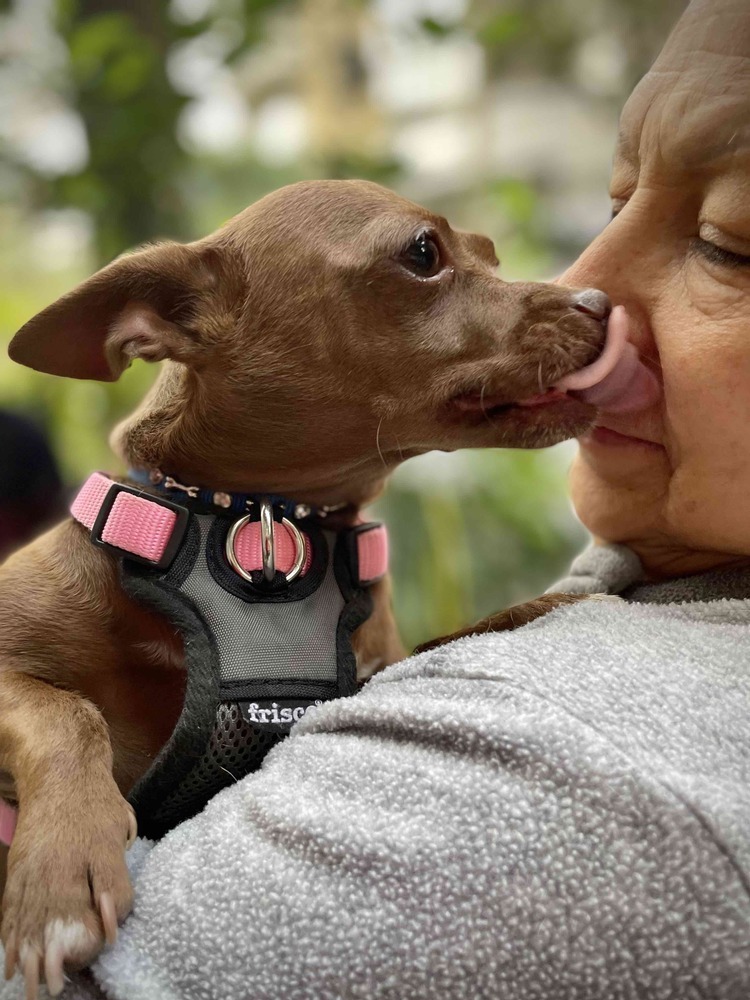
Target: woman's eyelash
<point>718,255</point>
<point>617,206</point>
<point>707,250</point>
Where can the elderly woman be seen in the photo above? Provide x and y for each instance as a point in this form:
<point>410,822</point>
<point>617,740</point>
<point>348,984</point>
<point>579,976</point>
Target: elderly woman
<point>561,811</point>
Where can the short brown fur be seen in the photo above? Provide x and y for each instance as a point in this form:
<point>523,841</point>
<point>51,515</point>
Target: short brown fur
<point>301,357</point>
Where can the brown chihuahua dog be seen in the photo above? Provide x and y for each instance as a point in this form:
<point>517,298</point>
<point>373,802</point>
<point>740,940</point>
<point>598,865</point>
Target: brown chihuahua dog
<point>313,343</point>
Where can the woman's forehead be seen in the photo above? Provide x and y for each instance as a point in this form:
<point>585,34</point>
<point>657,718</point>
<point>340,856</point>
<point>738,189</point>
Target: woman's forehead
<point>693,107</point>
<point>684,123</point>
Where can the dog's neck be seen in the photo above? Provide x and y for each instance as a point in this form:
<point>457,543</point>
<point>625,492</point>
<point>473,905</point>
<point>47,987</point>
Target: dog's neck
<point>176,432</point>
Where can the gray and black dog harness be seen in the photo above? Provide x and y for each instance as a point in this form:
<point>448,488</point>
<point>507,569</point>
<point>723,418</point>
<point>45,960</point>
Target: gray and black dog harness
<point>266,600</point>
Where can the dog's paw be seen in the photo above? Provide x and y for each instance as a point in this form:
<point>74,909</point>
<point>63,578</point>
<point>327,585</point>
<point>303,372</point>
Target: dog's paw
<point>67,889</point>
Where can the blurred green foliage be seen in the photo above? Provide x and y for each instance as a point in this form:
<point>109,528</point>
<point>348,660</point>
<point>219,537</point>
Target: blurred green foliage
<point>118,52</point>
<point>492,529</point>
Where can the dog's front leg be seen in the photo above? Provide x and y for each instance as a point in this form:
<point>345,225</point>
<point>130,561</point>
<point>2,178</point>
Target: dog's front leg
<point>376,643</point>
<point>67,885</point>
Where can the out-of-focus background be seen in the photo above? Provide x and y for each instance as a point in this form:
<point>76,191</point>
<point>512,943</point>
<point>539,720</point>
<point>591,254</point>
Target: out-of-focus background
<point>123,121</point>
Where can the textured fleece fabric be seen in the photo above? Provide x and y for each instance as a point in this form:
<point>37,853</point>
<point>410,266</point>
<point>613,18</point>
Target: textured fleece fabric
<point>558,812</point>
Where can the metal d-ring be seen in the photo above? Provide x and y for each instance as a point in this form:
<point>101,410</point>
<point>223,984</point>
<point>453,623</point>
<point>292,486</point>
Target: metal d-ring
<point>299,550</point>
<point>267,546</point>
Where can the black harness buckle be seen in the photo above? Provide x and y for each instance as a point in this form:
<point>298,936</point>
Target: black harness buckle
<point>174,543</point>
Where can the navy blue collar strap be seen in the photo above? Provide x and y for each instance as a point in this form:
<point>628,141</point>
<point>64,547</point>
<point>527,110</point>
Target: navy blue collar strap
<point>220,501</point>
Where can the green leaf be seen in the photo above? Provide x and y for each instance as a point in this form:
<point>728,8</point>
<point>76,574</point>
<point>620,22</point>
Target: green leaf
<point>437,28</point>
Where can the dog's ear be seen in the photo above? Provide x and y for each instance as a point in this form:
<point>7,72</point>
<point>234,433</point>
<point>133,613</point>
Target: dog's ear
<point>139,306</point>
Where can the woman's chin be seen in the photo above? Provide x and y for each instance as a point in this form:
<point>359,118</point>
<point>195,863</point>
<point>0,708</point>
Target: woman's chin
<point>623,461</point>
<point>618,495</point>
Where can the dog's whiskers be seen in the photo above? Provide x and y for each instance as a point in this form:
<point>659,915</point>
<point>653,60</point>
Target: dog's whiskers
<point>562,353</point>
<point>485,414</point>
<point>226,771</point>
<point>377,444</point>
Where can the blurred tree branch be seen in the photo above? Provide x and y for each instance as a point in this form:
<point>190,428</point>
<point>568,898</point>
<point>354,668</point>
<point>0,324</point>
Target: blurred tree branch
<point>132,185</point>
<point>118,56</point>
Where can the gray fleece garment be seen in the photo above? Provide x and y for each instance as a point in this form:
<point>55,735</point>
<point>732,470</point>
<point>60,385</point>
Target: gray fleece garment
<point>554,813</point>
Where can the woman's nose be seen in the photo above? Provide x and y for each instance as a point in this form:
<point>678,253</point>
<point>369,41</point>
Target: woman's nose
<point>610,262</point>
<point>592,302</point>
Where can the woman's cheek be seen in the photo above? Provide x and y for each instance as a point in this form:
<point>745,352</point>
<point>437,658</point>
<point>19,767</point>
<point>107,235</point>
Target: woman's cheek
<point>707,413</point>
<point>703,336</point>
<point>717,292</point>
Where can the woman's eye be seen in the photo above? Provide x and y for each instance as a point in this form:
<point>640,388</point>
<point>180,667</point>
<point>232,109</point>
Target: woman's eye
<point>718,255</point>
<point>422,256</point>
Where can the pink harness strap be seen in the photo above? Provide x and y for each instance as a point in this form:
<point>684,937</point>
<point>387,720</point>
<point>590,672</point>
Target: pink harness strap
<point>139,526</point>
<point>90,498</point>
<point>372,553</point>
<point>135,524</point>
<point>143,526</point>
<point>247,547</point>
<point>8,820</point>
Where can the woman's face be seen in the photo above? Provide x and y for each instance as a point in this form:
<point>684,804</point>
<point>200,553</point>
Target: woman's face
<point>674,481</point>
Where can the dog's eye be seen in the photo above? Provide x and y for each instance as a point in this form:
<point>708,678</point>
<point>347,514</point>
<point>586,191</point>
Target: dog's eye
<point>422,256</point>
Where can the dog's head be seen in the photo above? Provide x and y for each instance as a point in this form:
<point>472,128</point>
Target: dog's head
<point>325,333</point>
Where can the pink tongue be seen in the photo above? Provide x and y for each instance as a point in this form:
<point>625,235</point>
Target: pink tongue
<point>617,381</point>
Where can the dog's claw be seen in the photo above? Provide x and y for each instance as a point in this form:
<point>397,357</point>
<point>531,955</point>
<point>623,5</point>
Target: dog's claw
<point>132,829</point>
<point>109,917</point>
<point>53,969</point>
<point>31,973</point>
<point>11,956</point>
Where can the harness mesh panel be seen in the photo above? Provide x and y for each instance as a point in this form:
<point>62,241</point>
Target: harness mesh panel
<point>236,748</point>
<point>297,637</point>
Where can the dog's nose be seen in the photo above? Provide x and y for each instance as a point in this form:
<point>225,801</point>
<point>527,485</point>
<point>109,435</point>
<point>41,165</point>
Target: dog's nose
<point>592,302</point>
